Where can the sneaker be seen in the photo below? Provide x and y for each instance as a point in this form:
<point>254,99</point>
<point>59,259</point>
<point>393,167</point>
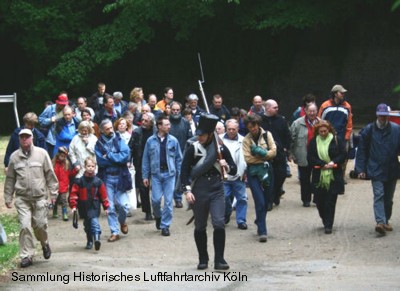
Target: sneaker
<point>242,225</point>
<point>263,238</point>
<point>380,227</point>
<point>178,204</point>
<point>388,227</point>
<point>306,204</point>
<point>328,230</point>
<point>26,262</point>
<point>46,251</point>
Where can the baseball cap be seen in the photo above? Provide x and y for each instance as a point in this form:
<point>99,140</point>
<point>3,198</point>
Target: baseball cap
<point>382,110</point>
<point>25,131</point>
<point>338,88</point>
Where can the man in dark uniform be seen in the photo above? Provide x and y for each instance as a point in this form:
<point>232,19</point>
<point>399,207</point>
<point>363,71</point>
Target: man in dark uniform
<point>202,166</point>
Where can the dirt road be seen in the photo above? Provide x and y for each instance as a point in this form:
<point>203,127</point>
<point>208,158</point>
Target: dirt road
<point>297,256</point>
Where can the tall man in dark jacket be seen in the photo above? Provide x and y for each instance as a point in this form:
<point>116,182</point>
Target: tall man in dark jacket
<point>137,143</point>
<point>180,129</point>
<point>277,125</point>
<point>377,158</point>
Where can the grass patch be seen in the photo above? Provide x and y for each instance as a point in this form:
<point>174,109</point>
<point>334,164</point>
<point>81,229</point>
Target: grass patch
<point>9,251</point>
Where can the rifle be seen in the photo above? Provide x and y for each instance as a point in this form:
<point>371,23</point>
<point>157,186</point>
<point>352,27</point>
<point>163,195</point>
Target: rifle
<point>216,138</point>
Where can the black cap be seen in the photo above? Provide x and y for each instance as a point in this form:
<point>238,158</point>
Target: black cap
<point>207,123</point>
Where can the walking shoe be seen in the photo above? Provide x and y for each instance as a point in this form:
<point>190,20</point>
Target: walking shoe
<point>46,251</point>
<point>124,228</point>
<point>328,230</point>
<point>263,238</point>
<point>242,225</point>
<point>178,204</point>
<point>148,216</point>
<point>113,238</point>
<point>306,204</point>
<point>380,227</point>
<point>388,227</point>
<point>165,232</point>
<point>158,222</point>
<point>26,262</point>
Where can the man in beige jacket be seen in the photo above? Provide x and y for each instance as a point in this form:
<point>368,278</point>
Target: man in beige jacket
<point>30,175</point>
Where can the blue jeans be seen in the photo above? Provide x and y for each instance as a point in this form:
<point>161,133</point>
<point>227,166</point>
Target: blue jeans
<point>383,199</point>
<point>237,189</point>
<point>119,202</point>
<point>92,226</point>
<point>163,185</point>
<point>260,196</point>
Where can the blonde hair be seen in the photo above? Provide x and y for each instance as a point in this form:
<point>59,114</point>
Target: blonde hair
<point>135,94</point>
<point>90,159</point>
<point>66,161</point>
<point>85,124</point>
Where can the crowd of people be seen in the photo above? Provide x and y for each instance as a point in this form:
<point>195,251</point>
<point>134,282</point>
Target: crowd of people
<point>149,154</point>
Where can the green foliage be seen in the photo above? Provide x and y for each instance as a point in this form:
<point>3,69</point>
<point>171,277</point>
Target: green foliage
<point>396,5</point>
<point>9,251</point>
<point>66,41</point>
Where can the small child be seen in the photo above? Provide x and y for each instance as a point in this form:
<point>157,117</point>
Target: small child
<point>64,173</point>
<point>87,193</point>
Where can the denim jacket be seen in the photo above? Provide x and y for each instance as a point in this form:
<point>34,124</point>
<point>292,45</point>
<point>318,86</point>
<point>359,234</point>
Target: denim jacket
<point>151,156</point>
<point>45,121</point>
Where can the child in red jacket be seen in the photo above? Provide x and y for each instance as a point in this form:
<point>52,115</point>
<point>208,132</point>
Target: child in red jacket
<point>87,193</point>
<point>64,173</point>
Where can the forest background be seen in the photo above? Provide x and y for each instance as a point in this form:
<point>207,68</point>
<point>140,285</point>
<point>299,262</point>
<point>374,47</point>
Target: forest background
<point>281,49</point>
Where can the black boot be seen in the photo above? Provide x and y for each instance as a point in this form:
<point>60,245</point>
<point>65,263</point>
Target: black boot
<point>219,248</point>
<point>97,242</point>
<point>89,243</point>
<point>200,237</point>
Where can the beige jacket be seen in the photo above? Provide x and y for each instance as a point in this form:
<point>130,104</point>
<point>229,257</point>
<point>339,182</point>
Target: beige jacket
<point>271,147</point>
<point>30,176</point>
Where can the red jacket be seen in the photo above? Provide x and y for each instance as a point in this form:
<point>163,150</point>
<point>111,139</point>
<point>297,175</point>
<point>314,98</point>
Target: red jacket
<point>63,176</point>
<point>79,197</point>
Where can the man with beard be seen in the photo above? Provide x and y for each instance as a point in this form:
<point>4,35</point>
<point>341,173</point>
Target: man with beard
<point>137,143</point>
<point>180,129</point>
<point>112,155</point>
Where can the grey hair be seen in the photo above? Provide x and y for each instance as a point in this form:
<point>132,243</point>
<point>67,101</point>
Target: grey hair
<point>118,95</point>
<point>104,122</point>
<point>192,97</point>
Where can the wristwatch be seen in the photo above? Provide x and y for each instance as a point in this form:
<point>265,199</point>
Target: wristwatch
<point>187,189</point>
